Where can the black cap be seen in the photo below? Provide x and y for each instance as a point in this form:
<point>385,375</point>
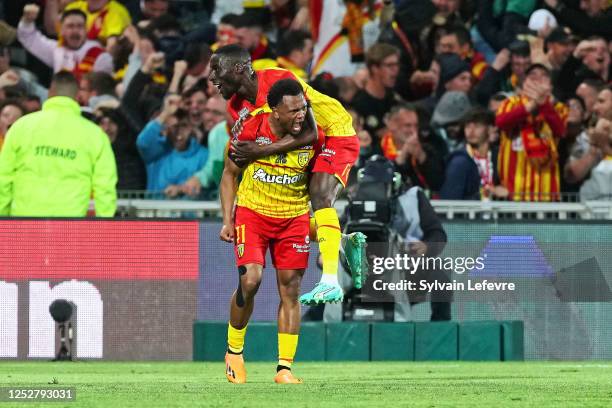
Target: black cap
<point>558,35</point>
<point>519,47</point>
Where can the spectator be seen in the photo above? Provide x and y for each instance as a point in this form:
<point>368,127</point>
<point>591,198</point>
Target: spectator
<point>105,18</point>
<point>583,158</point>
<point>409,19</point>
<point>377,97</point>
<point>294,54</point>
<point>192,70</point>
<point>213,113</point>
<point>590,59</point>
<point>449,73</point>
<point>575,144</point>
<point>457,40</point>
<point>97,88</point>
<point>593,18</point>
<point>226,31</point>
<point>208,178</point>
<point>588,91</point>
<point>10,111</point>
<point>471,172</point>
<point>557,46</point>
<point>446,122</point>
<point>194,101</point>
<point>143,11</point>
<point>415,161</point>
<point>75,53</point>
<point>499,22</point>
<point>599,184</point>
<point>31,103</point>
<point>55,173</point>
<point>530,128</point>
<point>22,77</point>
<point>169,150</point>
<point>131,173</point>
<point>250,35</point>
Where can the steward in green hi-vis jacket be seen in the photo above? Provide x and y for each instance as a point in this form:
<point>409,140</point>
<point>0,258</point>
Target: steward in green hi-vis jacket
<point>54,162</point>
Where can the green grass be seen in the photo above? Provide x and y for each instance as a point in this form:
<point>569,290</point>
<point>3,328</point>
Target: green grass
<point>443,384</point>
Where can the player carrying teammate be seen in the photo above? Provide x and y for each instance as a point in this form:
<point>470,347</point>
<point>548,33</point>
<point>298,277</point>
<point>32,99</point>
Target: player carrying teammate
<point>246,90</point>
<point>271,211</point>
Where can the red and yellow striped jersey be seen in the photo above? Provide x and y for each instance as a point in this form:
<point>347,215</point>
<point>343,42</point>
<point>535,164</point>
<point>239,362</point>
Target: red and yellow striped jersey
<point>329,113</point>
<point>277,185</point>
<point>528,162</point>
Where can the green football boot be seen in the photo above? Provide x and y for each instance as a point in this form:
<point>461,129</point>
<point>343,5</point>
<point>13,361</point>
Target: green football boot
<point>354,248</point>
<point>322,293</point>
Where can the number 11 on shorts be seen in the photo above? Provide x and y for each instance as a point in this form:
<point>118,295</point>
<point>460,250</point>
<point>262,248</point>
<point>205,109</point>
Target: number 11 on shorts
<point>240,233</point>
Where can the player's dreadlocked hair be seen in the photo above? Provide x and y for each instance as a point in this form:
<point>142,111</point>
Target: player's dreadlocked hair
<point>289,87</point>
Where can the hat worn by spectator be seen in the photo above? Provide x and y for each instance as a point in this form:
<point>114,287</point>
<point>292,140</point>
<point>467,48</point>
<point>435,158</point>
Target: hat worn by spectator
<point>558,35</point>
<point>453,106</point>
<point>451,65</point>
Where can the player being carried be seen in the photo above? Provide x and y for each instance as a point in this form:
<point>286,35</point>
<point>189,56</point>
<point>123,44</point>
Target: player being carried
<point>271,211</point>
<point>246,90</point>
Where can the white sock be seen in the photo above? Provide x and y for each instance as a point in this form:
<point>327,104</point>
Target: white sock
<point>330,279</point>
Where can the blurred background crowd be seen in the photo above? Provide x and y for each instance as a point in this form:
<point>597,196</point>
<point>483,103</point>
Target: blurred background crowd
<point>470,99</point>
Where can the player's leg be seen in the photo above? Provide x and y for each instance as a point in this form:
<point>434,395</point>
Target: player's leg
<point>289,316</point>
<point>241,308</point>
<point>250,247</point>
<point>289,254</point>
<point>329,175</point>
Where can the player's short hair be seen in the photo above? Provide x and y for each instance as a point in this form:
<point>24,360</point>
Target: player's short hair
<point>72,12</point>
<point>284,87</point>
<point>377,53</point>
<point>234,52</point>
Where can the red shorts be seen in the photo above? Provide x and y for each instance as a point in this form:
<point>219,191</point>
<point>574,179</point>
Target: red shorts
<point>287,238</point>
<point>337,157</point>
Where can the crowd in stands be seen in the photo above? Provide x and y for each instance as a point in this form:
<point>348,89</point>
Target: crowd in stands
<point>470,99</point>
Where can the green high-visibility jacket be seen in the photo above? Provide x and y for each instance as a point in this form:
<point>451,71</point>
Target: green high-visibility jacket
<point>54,161</point>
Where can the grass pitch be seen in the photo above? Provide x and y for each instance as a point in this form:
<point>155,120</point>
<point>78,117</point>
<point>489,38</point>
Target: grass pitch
<point>380,384</point>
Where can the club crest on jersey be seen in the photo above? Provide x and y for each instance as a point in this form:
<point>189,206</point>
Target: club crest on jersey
<point>303,158</point>
<point>240,250</point>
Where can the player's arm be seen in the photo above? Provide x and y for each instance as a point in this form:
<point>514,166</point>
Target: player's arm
<point>249,151</point>
<point>228,188</point>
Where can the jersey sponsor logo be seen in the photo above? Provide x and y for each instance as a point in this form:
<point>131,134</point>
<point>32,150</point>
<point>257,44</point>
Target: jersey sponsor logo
<point>302,248</point>
<point>264,177</point>
<point>303,158</point>
<point>240,250</point>
<point>54,151</point>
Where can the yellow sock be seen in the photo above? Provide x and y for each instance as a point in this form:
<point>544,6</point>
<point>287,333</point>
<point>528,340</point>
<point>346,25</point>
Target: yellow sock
<point>235,338</point>
<point>329,234</point>
<point>287,344</point>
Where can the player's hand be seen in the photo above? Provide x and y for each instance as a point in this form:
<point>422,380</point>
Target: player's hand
<point>30,13</point>
<point>192,187</point>
<point>247,151</point>
<point>227,233</point>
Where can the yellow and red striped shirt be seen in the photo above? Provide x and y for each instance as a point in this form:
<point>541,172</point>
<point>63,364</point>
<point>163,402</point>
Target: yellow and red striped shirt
<point>528,163</point>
